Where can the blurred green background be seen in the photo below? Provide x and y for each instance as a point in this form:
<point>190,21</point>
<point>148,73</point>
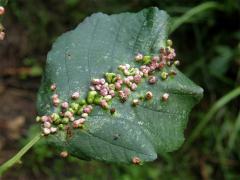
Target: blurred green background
<point>208,45</point>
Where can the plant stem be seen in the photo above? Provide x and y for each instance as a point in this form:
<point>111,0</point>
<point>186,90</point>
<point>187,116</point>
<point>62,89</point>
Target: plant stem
<point>219,104</point>
<point>17,157</point>
<point>194,11</point>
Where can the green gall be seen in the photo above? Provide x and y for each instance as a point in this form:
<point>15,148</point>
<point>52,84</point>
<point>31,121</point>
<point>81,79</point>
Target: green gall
<point>164,75</point>
<point>108,97</point>
<point>71,110</point>
<point>110,77</point>
<point>74,106</point>
<point>130,72</point>
<point>65,120</point>
<point>111,86</point>
<point>80,111</point>
<point>82,102</point>
<point>55,116</point>
<point>61,126</point>
<point>38,119</point>
<point>98,99</point>
<point>147,59</point>
<point>57,121</point>
<point>91,96</point>
<point>169,42</point>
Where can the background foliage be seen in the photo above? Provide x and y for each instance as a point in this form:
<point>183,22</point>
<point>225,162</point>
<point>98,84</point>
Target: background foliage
<point>209,49</point>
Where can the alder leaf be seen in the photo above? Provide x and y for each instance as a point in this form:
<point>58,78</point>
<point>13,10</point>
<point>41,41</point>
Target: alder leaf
<point>99,45</point>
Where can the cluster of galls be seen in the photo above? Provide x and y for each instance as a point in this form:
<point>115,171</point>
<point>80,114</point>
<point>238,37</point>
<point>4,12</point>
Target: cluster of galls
<point>2,33</point>
<point>103,90</point>
<point>68,113</point>
<point>157,63</point>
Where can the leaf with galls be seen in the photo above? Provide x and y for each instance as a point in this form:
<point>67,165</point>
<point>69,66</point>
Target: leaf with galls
<point>118,95</point>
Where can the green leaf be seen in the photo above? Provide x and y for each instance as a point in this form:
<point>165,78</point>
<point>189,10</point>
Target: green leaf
<point>99,45</point>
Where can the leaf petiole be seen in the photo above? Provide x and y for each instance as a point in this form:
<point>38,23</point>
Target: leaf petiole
<point>16,158</point>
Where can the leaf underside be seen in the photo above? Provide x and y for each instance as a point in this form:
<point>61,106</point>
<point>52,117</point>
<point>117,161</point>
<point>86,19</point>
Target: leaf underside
<point>98,45</point>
